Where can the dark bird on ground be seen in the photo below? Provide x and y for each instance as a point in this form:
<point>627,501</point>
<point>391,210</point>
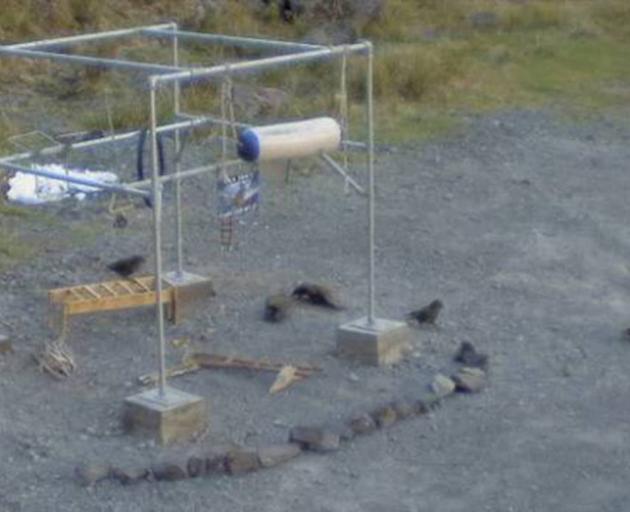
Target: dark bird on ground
<point>277,307</point>
<point>427,314</point>
<point>468,356</point>
<point>127,266</point>
<point>315,294</point>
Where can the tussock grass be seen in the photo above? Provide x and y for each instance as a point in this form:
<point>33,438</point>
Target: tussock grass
<point>434,57</point>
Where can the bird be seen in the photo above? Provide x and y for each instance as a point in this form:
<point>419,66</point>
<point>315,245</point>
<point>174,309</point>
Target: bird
<point>127,266</point>
<point>315,294</point>
<point>468,356</point>
<point>427,314</point>
<point>276,307</point>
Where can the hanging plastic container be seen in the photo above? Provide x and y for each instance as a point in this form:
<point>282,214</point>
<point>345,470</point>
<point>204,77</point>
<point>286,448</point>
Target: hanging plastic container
<point>289,140</point>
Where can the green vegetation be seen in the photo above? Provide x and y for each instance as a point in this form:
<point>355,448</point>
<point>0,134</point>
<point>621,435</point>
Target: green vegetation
<point>436,60</point>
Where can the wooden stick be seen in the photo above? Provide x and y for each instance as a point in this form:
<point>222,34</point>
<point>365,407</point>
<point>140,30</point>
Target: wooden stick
<point>218,361</point>
<point>175,371</point>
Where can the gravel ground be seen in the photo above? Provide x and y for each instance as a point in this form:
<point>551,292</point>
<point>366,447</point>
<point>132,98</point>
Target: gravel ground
<point>518,223</point>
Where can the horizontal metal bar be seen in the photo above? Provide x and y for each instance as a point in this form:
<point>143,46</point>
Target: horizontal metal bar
<point>72,179</point>
<point>52,150</point>
<point>90,61</point>
<point>219,121</point>
<point>189,173</point>
<point>242,42</point>
<point>353,144</point>
<point>260,64</point>
<point>82,38</point>
<point>337,168</point>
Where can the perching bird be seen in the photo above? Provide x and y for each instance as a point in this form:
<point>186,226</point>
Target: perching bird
<point>276,307</point>
<point>315,294</point>
<point>427,314</point>
<point>468,356</point>
<point>127,266</point>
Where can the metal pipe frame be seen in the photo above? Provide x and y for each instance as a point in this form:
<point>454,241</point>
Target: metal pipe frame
<point>53,150</point>
<point>330,161</point>
<point>157,243</point>
<point>112,187</point>
<point>262,64</point>
<point>89,61</point>
<point>189,173</point>
<point>241,42</point>
<point>84,38</point>
<point>370,203</point>
<point>175,75</point>
<point>178,167</point>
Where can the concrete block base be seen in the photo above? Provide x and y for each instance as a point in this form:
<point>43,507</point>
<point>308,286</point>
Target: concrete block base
<point>383,342</point>
<point>190,292</point>
<point>176,416</point>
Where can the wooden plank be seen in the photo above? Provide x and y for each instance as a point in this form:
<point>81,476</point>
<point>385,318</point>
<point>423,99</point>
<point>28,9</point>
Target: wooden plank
<point>141,284</point>
<point>109,289</point>
<point>114,303</point>
<point>91,291</point>
<point>126,287</point>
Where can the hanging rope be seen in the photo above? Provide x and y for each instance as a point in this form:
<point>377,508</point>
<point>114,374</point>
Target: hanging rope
<point>226,223</point>
<point>344,120</point>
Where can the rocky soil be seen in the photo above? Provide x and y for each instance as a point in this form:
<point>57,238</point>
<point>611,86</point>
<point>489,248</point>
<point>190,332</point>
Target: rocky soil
<point>518,223</point>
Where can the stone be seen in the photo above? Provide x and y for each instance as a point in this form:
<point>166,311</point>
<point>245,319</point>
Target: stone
<point>215,458</point>
<point>442,385</point>
<point>170,471</point>
<point>469,380</point>
<point>177,416</point>
<point>274,455</point>
<point>89,474</point>
<point>344,432</point>
<point>402,408</point>
<point>6,347</point>
<point>384,416</point>
<point>363,424</point>
<point>468,356</point>
<point>196,466</point>
<point>384,342</point>
<point>316,439</point>
<point>242,460</point>
<point>130,475</point>
<point>427,403</point>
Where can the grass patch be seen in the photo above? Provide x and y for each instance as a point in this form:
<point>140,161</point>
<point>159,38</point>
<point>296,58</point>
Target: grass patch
<point>434,57</point>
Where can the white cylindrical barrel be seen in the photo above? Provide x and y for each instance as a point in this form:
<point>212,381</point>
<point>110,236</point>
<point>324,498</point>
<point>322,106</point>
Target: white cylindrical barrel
<point>289,140</point>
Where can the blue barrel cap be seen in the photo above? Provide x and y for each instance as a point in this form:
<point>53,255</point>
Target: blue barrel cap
<point>248,145</point>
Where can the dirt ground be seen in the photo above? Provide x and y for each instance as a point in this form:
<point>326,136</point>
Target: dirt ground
<point>518,223</point>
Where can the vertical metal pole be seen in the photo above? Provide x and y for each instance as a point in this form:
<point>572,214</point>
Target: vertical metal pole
<point>157,240</point>
<point>370,115</point>
<point>178,185</point>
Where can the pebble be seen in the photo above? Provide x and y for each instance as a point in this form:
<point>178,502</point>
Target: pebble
<point>442,386</point>
<point>469,380</point>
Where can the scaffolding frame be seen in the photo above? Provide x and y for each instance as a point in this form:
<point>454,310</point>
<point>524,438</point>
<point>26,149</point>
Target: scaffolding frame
<point>283,53</point>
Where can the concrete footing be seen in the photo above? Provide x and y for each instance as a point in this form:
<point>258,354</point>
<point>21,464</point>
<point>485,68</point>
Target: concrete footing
<point>383,342</point>
<point>190,291</point>
<point>175,416</point>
